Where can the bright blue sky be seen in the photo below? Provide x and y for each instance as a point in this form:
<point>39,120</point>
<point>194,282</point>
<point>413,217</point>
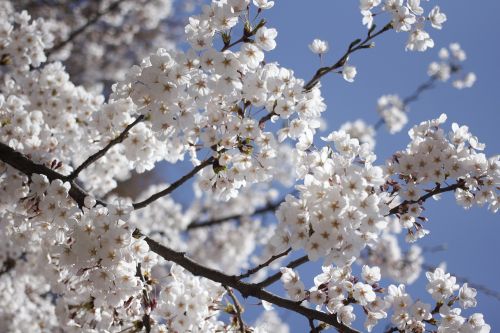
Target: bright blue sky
<point>471,236</point>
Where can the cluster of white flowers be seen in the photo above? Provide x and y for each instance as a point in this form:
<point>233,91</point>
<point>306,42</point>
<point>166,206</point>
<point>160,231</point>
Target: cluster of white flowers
<point>340,208</point>
<point>407,16</point>
<point>269,321</point>
<point>402,266</point>
<point>187,303</point>
<point>88,258</point>
<point>392,111</point>
<point>360,130</point>
<point>292,284</point>
<point>344,205</point>
<point>450,65</point>
<point>434,157</point>
<point>22,42</point>
<point>414,316</point>
<point>46,116</point>
<point>25,302</point>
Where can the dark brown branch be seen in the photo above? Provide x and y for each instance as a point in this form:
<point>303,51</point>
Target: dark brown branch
<point>429,84</point>
<point>313,328</point>
<point>263,120</point>
<point>94,157</point>
<point>265,264</point>
<point>146,319</point>
<point>246,289</point>
<point>8,265</point>
<point>174,185</point>
<point>242,39</point>
<point>75,33</point>
<point>238,309</point>
<point>266,209</point>
<point>28,167</point>
<point>437,190</point>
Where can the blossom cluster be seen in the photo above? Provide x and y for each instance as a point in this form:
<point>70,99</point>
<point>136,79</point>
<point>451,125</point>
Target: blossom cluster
<point>187,303</point>
<point>340,208</point>
<point>22,40</point>
<point>434,157</point>
<point>392,109</point>
<point>450,64</point>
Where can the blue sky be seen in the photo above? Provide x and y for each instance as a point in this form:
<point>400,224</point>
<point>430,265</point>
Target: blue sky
<point>471,236</point>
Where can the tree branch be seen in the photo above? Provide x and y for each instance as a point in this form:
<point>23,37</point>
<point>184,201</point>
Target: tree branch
<point>28,167</point>
<point>355,46</point>
<point>265,264</point>
<point>275,277</point>
<point>75,33</point>
<point>94,157</point>
<point>437,190</point>
<point>25,165</point>
<point>174,185</point>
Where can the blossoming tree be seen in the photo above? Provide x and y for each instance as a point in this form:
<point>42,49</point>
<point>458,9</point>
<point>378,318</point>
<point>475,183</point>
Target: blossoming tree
<point>75,257</point>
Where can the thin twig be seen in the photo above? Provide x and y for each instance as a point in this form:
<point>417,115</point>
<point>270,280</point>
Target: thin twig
<point>146,320</point>
<point>275,277</point>
<point>265,264</point>
<point>75,33</point>
<point>94,157</point>
<point>437,190</point>
<point>174,185</point>
<point>311,325</point>
<point>427,85</point>
<point>341,62</point>
<point>353,47</point>
<point>238,308</point>
<point>266,209</point>
<point>25,165</point>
